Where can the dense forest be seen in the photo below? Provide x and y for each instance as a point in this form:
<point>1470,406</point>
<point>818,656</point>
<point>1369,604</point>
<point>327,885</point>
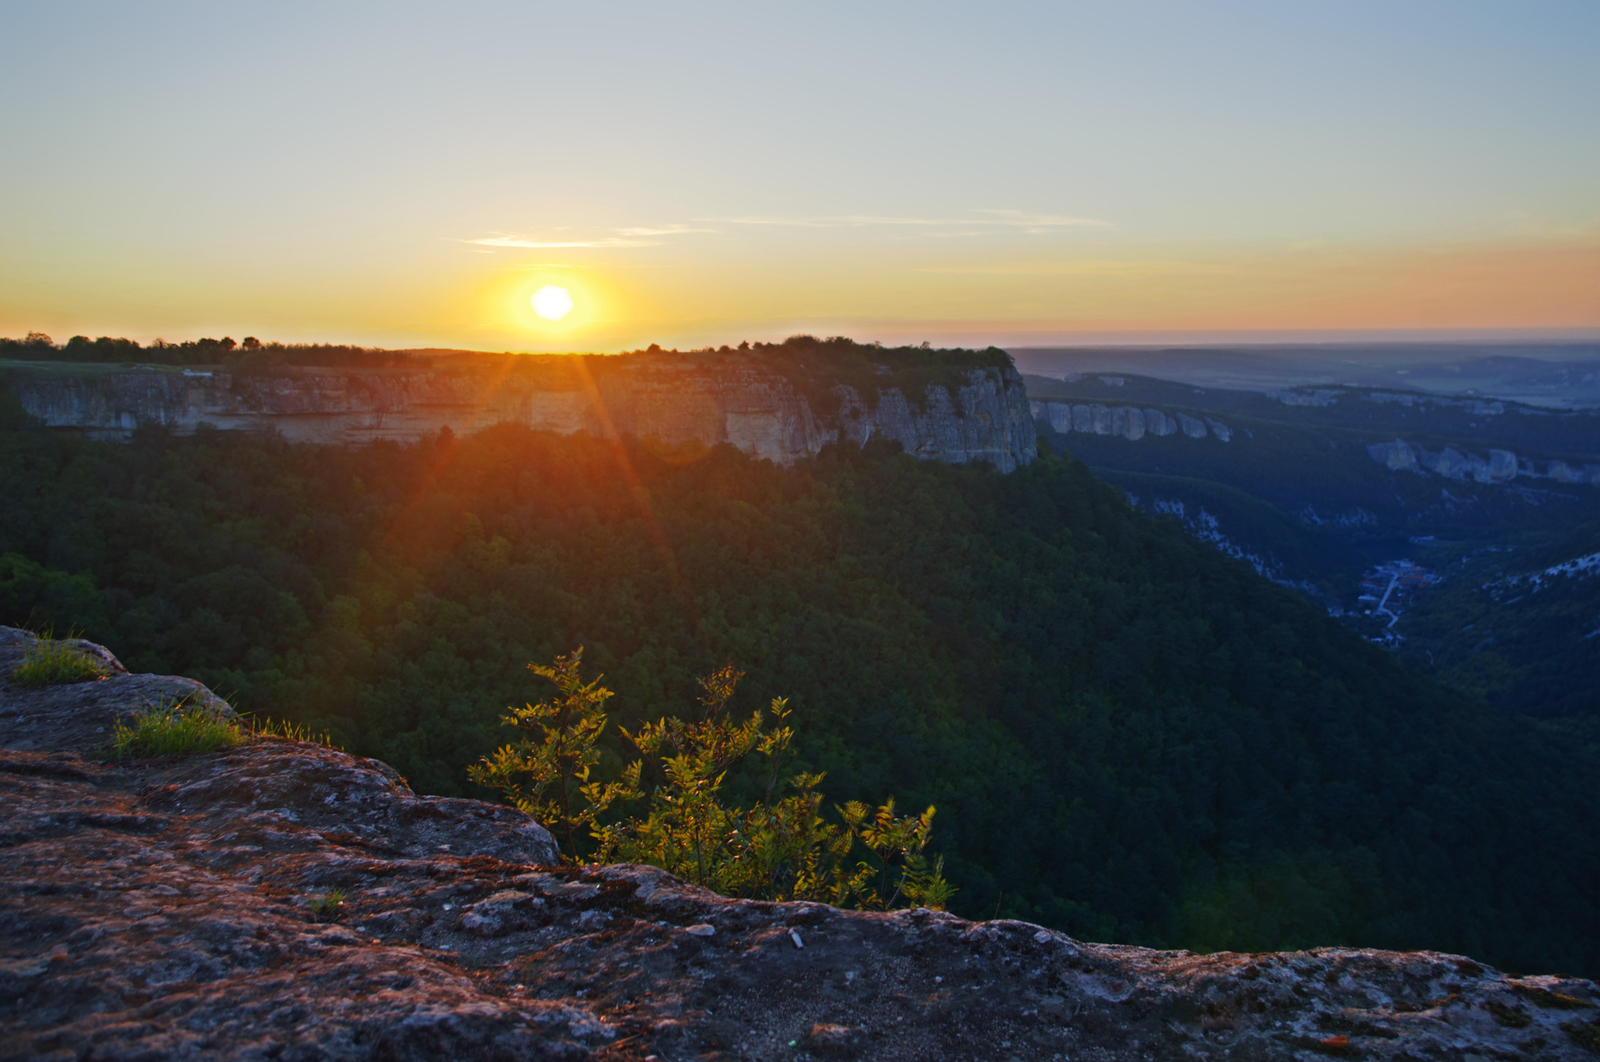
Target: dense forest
<point>248,355</point>
<point>1127,735</point>
<point>1526,636</point>
<point>814,367</point>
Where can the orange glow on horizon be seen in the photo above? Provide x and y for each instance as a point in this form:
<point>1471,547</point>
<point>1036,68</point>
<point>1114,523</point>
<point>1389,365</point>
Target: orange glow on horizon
<point>889,293</point>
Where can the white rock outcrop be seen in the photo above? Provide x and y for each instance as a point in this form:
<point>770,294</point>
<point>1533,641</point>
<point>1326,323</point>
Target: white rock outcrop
<point>1501,466</point>
<point>1128,422</point>
<point>668,398</point>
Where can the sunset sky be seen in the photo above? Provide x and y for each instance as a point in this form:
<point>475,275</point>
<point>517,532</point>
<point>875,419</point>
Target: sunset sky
<point>1016,173</point>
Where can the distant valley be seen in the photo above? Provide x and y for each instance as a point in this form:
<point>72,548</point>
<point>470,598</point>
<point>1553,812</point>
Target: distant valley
<point>1339,491</point>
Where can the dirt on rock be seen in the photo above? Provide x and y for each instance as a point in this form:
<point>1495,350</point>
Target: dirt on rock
<point>284,900</point>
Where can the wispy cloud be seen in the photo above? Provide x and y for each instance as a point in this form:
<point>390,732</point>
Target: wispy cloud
<point>981,223</point>
<point>1087,268</point>
<point>548,243</point>
<point>640,236</point>
<point>984,223</point>
<point>663,230</point>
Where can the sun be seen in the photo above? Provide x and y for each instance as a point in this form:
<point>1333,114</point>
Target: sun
<point>552,303</point>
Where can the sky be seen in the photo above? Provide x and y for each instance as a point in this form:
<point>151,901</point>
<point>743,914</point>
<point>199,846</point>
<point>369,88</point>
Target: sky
<point>700,173</point>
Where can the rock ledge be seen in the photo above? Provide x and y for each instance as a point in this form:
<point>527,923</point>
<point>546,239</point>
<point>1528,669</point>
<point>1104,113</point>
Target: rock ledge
<point>163,910</point>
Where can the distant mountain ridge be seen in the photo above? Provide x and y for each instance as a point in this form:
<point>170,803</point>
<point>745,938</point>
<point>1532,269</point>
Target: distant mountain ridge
<point>1557,374</point>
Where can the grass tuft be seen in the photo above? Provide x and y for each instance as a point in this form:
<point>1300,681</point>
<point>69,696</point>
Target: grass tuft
<point>282,728</point>
<point>169,730</point>
<point>325,908</point>
<point>56,662</point>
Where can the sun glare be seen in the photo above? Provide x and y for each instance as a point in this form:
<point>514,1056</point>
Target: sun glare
<point>552,303</point>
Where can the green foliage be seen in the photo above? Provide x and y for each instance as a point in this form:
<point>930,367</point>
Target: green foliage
<point>54,662</point>
<point>38,597</point>
<point>815,367</point>
<point>778,848</point>
<point>285,730</point>
<point>1134,738</point>
<point>547,773</point>
<point>1527,641</point>
<point>174,729</point>
<point>249,357</point>
<point>325,908</point>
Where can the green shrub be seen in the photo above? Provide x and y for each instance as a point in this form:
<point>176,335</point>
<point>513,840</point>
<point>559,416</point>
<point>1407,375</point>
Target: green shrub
<point>780,848</point>
<point>55,662</point>
<point>176,729</point>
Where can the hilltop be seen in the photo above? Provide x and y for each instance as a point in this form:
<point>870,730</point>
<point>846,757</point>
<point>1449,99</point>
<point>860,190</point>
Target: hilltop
<point>782,402</point>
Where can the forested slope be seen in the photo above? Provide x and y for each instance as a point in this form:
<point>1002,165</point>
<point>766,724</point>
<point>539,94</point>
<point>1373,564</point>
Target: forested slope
<point>1128,736</point>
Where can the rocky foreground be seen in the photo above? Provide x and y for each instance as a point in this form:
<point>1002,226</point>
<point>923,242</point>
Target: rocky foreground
<point>169,909</point>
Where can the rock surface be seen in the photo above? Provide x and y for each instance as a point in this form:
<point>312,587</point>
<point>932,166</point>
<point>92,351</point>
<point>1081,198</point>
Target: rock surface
<point>1501,466</point>
<point>665,397</point>
<point>1129,422</point>
<point>166,909</point>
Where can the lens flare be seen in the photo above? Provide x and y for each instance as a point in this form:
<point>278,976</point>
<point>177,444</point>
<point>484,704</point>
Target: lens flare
<point>552,303</point>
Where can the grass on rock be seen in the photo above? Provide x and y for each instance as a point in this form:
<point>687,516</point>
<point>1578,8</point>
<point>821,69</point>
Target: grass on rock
<point>55,662</point>
<point>169,730</point>
<point>182,728</point>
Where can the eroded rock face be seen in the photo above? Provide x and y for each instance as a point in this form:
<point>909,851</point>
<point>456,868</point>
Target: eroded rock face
<point>1129,422</point>
<point>166,910</point>
<point>1502,466</point>
<point>668,398</point>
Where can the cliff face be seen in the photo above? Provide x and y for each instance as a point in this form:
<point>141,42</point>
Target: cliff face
<point>163,909</point>
<point>673,399</point>
<point>1130,422</point>
<point>1501,466</point>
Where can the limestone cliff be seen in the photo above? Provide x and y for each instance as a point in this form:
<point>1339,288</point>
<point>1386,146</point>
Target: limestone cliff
<point>1130,422</point>
<point>983,417</point>
<point>1501,466</point>
<point>164,910</point>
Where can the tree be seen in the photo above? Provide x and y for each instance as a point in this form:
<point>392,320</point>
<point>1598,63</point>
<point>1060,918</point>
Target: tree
<point>779,848</point>
<point>547,774</point>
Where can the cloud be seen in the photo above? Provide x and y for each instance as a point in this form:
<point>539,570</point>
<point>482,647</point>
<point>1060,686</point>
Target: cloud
<point>990,222</point>
<point>628,237</point>
<point>984,223</point>
<point>1088,268</point>
<point>663,230</point>
<point>546,244</point>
